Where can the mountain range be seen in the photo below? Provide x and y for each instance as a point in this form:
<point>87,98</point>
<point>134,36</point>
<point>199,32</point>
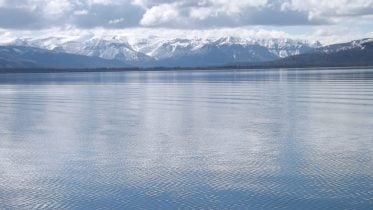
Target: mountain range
<point>156,52</point>
<point>31,57</point>
<point>119,52</point>
<point>355,53</point>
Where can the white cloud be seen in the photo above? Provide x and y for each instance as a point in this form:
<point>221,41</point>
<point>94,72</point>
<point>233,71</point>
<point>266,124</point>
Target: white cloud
<point>186,13</point>
<point>116,21</point>
<point>57,7</point>
<point>316,18</point>
<point>81,12</point>
<point>217,13</point>
<point>160,14</point>
<point>103,2</point>
<point>332,7</point>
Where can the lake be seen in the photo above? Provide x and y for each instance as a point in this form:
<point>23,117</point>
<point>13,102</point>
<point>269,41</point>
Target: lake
<point>227,139</point>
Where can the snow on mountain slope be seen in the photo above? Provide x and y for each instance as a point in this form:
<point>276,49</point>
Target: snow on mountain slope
<point>31,57</point>
<point>113,48</point>
<point>155,51</point>
<point>356,44</point>
<point>355,53</point>
<point>288,47</point>
<point>158,48</point>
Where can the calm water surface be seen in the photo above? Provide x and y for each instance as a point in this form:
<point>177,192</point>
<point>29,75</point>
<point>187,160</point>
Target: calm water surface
<point>285,139</point>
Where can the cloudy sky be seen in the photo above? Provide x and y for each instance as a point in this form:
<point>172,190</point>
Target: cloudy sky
<point>325,20</point>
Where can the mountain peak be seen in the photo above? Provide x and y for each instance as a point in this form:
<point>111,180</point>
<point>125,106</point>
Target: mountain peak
<point>157,51</point>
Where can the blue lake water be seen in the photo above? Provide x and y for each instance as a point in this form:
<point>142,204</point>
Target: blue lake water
<point>285,139</point>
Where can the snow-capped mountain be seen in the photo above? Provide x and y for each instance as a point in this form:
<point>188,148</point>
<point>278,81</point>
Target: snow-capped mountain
<point>355,53</point>
<point>287,47</point>
<point>199,52</point>
<point>356,44</point>
<point>108,49</point>
<point>91,53</point>
<point>156,51</point>
<point>31,57</point>
<point>111,49</point>
<point>279,47</point>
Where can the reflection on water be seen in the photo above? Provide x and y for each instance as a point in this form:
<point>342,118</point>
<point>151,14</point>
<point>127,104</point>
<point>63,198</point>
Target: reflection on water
<point>202,139</point>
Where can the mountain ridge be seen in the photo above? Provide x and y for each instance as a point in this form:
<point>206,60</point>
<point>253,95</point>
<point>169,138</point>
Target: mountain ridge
<point>182,53</point>
<point>354,53</point>
<point>175,52</point>
<point>31,57</point>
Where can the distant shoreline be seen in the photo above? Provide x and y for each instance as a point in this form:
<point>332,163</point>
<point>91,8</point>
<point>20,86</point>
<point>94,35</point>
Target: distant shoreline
<point>172,69</point>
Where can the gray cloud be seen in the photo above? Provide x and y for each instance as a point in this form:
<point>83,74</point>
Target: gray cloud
<point>120,14</point>
<point>108,16</point>
<point>202,14</point>
<point>14,18</point>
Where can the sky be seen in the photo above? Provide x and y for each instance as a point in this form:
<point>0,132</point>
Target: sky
<point>328,21</point>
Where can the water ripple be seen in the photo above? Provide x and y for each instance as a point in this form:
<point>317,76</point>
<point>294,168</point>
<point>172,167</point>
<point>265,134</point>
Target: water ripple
<point>187,140</point>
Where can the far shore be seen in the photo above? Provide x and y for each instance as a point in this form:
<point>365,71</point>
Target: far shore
<point>134,69</point>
